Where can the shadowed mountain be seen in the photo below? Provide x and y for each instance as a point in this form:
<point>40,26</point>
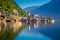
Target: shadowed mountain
<point>50,9</point>
<point>30,8</point>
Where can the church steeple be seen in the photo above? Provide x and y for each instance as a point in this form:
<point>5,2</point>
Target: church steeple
<point>28,12</point>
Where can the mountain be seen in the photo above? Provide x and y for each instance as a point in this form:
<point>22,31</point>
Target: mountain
<point>9,5</point>
<point>30,8</point>
<point>50,9</point>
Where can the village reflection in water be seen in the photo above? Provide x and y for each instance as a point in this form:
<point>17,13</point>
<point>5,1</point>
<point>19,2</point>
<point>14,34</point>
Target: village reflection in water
<point>16,25</point>
<point>11,29</point>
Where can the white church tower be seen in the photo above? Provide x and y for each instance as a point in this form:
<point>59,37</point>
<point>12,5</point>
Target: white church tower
<point>29,12</point>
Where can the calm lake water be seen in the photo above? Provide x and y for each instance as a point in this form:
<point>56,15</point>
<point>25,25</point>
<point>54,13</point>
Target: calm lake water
<point>40,32</point>
<point>32,31</point>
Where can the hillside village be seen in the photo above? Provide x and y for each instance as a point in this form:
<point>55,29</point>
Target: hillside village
<point>12,13</point>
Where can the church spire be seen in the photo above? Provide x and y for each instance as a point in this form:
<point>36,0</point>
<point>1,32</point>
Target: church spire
<point>28,12</point>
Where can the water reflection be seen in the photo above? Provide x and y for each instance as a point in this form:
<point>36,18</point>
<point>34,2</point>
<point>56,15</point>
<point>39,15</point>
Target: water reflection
<point>8,30</point>
<point>12,25</point>
<point>17,25</point>
<point>35,25</point>
<point>31,33</point>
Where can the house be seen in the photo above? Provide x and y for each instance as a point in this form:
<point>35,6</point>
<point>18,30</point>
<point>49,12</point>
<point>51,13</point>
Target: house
<point>15,11</point>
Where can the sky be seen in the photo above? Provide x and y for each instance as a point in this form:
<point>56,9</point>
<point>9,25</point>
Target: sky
<point>29,3</point>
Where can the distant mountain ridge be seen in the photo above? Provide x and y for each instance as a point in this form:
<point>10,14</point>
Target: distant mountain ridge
<point>50,9</point>
<point>30,8</point>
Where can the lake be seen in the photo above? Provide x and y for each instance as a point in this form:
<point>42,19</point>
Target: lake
<point>40,32</point>
<point>32,31</point>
